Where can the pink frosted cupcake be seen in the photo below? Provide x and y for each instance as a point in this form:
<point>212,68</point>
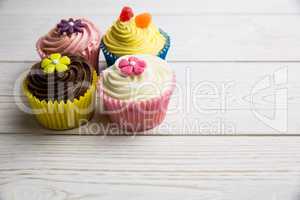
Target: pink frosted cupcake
<point>78,37</point>
<point>136,91</point>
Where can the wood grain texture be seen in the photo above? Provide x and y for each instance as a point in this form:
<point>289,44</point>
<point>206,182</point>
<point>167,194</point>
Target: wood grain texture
<point>210,38</point>
<point>68,167</point>
<point>228,47</point>
<point>164,7</point>
<point>204,102</point>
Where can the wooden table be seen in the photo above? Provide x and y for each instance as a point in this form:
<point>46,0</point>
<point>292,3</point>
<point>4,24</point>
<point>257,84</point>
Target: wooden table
<point>237,65</point>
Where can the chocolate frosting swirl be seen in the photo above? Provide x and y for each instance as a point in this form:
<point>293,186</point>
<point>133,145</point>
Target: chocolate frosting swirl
<point>68,85</point>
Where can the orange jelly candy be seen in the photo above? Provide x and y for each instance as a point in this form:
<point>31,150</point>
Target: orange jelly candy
<point>143,20</point>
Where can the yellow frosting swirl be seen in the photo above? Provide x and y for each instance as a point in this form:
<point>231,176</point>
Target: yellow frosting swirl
<point>125,38</point>
<point>153,82</point>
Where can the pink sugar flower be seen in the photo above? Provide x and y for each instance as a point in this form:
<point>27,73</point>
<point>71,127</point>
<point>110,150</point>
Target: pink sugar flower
<point>132,66</point>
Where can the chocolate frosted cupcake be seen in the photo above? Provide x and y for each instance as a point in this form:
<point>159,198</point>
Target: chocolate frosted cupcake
<point>61,90</point>
<point>75,37</point>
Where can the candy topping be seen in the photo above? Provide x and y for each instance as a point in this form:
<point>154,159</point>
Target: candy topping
<point>126,14</point>
<point>55,62</point>
<point>70,26</point>
<point>143,20</point>
<point>132,66</point>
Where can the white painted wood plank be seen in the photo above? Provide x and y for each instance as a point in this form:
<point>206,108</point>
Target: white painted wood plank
<point>228,168</point>
<point>194,38</point>
<point>194,7</point>
<point>211,98</point>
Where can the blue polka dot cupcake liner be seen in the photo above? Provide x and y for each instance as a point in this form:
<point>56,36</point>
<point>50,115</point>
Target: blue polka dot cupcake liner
<point>111,58</point>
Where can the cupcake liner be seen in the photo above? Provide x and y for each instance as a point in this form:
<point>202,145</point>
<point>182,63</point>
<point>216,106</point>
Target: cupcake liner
<point>60,115</point>
<point>91,55</point>
<point>111,58</point>
<point>163,53</point>
<point>137,116</point>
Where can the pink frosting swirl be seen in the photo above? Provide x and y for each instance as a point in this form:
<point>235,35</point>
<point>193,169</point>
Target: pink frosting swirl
<point>85,44</point>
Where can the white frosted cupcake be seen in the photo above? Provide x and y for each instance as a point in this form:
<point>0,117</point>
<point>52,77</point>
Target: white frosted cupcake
<point>136,91</point>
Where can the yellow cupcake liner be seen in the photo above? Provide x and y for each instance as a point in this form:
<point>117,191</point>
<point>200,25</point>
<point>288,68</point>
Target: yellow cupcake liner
<point>60,115</point>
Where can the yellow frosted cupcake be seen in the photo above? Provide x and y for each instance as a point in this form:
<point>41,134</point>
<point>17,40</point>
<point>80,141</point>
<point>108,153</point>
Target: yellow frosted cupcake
<point>61,91</point>
<point>134,35</point>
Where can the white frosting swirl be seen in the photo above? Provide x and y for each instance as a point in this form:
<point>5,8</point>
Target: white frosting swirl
<point>153,82</point>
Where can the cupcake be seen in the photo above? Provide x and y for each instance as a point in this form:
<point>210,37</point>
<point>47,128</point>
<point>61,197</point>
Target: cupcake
<point>78,37</point>
<point>61,91</point>
<point>136,91</point>
<point>134,35</point>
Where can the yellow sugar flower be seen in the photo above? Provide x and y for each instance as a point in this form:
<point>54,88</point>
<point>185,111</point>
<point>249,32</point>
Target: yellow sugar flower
<point>55,62</point>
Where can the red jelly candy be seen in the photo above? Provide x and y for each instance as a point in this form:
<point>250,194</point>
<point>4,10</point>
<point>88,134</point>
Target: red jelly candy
<point>126,14</point>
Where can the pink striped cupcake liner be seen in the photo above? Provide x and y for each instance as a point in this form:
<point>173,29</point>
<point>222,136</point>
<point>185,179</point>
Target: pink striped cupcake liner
<point>137,116</point>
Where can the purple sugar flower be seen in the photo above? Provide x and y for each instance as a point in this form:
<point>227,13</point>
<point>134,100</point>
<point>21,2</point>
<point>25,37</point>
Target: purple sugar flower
<point>70,26</point>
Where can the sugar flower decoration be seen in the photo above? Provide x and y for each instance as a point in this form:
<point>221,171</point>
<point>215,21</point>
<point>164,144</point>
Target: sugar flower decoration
<point>70,26</point>
<point>132,66</point>
<point>55,62</point>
